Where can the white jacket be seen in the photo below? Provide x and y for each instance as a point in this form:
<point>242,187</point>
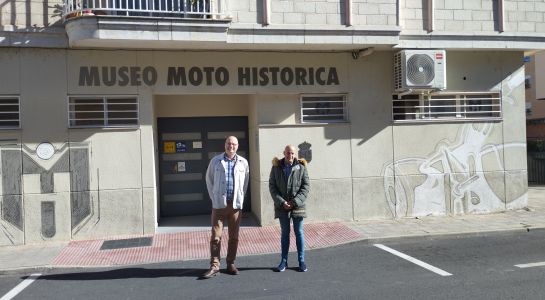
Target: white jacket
<point>217,185</point>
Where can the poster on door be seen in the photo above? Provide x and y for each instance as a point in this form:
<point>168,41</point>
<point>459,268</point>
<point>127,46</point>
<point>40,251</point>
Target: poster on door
<point>181,147</point>
<point>169,147</point>
<point>180,166</point>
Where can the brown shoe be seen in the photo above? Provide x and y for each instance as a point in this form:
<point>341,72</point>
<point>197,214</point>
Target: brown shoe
<point>210,273</point>
<point>232,270</point>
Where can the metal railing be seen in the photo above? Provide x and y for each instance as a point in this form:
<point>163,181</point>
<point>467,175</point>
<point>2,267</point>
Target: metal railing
<point>204,9</point>
<point>447,106</point>
<point>536,167</point>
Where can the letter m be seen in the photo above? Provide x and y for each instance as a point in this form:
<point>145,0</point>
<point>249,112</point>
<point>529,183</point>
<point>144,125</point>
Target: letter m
<point>176,76</point>
<point>88,76</point>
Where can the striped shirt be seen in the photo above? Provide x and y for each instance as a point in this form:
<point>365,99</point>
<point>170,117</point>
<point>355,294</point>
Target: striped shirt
<point>230,176</point>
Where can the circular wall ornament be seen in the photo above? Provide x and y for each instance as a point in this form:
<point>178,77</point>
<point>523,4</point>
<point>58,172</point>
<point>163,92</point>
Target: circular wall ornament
<point>45,150</point>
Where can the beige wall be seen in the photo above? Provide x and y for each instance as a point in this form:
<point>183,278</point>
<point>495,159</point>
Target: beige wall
<point>365,168</point>
<point>27,14</point>
<point>475,16</point>
<point>201,106</point>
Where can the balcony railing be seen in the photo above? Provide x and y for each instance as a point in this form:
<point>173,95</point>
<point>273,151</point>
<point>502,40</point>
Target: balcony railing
<point>204,9</point>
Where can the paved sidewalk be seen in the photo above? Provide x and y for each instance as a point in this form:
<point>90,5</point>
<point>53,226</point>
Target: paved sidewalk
<point>163,247</point>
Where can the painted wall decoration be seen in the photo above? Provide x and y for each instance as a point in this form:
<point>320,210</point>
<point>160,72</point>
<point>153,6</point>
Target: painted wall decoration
<point>305,151</point>
<point>11,219</point>
<point>18,161</point>
<point>455,177</point>
<point>454,173</point>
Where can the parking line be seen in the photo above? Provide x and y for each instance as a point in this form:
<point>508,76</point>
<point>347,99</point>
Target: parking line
<point>21,286</point>
<point>413,260</point>
<point>531,265</point>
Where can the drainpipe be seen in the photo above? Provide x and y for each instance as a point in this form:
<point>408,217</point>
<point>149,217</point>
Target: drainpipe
<point>348,12</point>
<point>501,19</point>
<point>266,12</point>
<point>431,17</point>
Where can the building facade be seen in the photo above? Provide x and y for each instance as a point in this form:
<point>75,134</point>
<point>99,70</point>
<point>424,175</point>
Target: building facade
<point>112,109</point>
<point>535,115</point>
<point>535,94</point>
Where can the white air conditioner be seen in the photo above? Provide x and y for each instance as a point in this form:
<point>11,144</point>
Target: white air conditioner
<point>420,70</point>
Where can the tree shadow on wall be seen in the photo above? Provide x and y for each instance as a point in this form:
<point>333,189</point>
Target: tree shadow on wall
<point>11,6</point>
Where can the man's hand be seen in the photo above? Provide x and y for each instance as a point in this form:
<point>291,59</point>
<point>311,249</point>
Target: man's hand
<point>287,205</point>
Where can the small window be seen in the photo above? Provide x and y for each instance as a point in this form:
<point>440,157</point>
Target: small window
<point>527,81</point>
<point>323,108</point>
<point>446,106</point>
<point>96,111</point>
<point>9,112</point>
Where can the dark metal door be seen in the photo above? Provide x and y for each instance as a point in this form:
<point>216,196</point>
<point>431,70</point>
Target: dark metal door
<point>186,146</point>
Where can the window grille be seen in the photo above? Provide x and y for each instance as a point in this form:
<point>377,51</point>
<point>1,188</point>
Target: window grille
<point>447,106</point>
<point>95,111</point>
<point>323,108</point>
<point>9,112</point>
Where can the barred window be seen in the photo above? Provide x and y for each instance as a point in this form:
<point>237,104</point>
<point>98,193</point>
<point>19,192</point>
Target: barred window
<point>447,106</point>
<point>93,111</point>
<point>323,108</point>
<point>9,112</point>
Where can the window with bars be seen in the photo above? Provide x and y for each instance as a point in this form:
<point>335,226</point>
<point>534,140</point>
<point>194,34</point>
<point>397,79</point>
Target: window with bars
<point>9,112</point>
<point>93,111</point>
<point>447,106</point>
<point>323,108</point>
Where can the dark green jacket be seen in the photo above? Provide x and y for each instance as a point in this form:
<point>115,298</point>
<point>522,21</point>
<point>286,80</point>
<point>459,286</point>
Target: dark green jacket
<point>296,189</point>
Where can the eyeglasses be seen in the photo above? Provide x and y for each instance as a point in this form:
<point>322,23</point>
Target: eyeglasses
<point>231,144</point>
<point>290,153</point>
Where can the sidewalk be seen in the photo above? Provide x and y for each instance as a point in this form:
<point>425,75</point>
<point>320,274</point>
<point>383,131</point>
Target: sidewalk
<point>163,247</point>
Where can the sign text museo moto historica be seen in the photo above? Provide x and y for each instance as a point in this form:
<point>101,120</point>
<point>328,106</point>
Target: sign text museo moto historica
<point>198,76</point>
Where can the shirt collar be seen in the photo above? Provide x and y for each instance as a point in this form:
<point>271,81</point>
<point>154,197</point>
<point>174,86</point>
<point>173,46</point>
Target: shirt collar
<point>235,158</point>
<point>288,164</point>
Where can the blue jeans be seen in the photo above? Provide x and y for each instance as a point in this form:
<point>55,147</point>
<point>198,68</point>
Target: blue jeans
<point>299,237</point>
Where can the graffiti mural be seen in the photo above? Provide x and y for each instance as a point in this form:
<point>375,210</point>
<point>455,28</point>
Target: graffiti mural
<point>454,177</point>
<point>18,161</point>
<point>453,172</point>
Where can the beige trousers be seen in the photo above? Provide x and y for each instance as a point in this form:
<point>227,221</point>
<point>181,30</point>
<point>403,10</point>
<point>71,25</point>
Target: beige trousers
<point>219,216</point>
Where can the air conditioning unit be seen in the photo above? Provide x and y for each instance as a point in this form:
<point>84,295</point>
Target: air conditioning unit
<point>420,70</point>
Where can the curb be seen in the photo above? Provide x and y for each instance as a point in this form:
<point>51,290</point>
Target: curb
<point>416,237</point>
<point>464,234</point>
<point>25,270</point>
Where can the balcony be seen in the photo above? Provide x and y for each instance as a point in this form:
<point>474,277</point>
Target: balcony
<point>145,24</point>
<point>207,24</point>
<point>180,9</point>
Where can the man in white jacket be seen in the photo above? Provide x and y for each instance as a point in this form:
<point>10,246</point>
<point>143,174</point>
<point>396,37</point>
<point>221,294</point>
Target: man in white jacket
<point>227,181</point>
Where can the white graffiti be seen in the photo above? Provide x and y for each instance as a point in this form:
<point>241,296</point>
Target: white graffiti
<point>453,169</point>
<point>453,177</point>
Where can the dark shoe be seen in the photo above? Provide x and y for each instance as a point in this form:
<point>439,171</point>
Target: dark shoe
<point>232,270</point>
<point>302,267</point>
<point>210,273</point>
<point>282,266</point>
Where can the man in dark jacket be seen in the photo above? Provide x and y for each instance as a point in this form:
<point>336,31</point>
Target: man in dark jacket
<point>289,187</point>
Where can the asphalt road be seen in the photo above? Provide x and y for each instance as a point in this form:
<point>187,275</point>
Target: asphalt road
<point>481,267</point>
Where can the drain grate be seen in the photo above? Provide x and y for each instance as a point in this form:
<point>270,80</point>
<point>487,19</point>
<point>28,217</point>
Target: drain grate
<point>126,243</point>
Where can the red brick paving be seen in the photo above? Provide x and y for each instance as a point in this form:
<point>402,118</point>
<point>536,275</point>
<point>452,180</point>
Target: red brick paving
<point>195,245</point>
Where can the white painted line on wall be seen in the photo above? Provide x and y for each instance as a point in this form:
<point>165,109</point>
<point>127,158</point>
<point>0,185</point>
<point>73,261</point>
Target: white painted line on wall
<point>531,265</point>
<point>21,286</point>
<point>413,260</point>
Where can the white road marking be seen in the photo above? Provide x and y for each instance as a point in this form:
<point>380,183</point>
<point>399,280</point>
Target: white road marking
<point>531,265</point>
<point>21,286</point>
<point>413,260</point>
